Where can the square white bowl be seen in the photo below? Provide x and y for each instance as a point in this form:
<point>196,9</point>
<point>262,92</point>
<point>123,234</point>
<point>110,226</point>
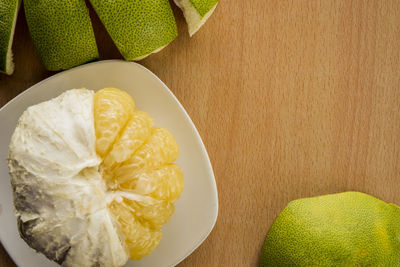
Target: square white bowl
<point>197,209</point>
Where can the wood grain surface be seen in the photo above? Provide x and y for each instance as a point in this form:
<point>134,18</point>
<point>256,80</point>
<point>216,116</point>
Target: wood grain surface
<point>292,99</point>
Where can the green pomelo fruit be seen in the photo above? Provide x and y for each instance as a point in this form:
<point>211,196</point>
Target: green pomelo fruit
<point>346,229</point>
<point>196,12</point>
<point>62,32</point>
<point>8,17</point>
<point>137,27</point>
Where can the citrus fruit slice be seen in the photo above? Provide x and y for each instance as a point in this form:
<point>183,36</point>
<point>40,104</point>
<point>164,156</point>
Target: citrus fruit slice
<point>137,27</point>
<point>196,12</point>
<point>8,17</point>
<point>346,229</point>
<point>61,32</point>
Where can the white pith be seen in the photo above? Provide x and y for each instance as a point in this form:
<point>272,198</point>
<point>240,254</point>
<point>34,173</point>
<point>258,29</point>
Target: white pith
<point>9,59</point>
<point>155,51</point>
<point>55,175</point>
<point>193,18</point>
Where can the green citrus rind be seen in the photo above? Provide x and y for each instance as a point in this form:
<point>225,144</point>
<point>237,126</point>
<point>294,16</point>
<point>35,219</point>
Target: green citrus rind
<point>8,17</point>
<point>137,27</point>
<point>346,229</point>
<point>61,32</point>
<point>196,12</point>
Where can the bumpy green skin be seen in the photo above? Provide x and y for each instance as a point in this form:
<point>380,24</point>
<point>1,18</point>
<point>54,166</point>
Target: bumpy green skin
<point>347,229</point>
<point>137,27</point>
<point>62,32</point>
<point>203,6</point>
<point>8,13</point>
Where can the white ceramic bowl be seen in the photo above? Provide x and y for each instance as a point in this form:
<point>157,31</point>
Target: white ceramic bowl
<point>197,209</point>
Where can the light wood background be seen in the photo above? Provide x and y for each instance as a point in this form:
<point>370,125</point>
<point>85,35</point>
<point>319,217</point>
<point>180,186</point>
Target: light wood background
<point>292,98</point>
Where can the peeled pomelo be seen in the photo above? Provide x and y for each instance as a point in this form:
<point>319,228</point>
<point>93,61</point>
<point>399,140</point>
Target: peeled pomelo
<point>93,180</point>
<point>8,18</point>
<point>346,229</point>
<point>137,27</point>
<point>196,12</point>
<point>61,32</point>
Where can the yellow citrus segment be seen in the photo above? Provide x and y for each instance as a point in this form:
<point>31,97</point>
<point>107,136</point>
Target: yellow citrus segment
<point>160,149</point>
<point>112,109</point>
<point>157,212</point>
<point>136,132</point>
<point>138,169</point>
<point>164,183</point>
<point>141,237</point>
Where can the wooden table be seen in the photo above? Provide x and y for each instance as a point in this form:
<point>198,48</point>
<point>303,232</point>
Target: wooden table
<point>292,98</point>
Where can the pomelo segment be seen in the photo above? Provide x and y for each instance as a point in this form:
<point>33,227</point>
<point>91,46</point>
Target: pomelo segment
<point>112,110</point>
<point>135,133</point>
<point>196,12</point>
<point>164,183</point>
<point>8,17</point>
<point>346,229</point>
<point>160,149</point>
<point>140,236</point>
<point>137,27</point>
<point>141,178</point>
<point>61,32</point>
